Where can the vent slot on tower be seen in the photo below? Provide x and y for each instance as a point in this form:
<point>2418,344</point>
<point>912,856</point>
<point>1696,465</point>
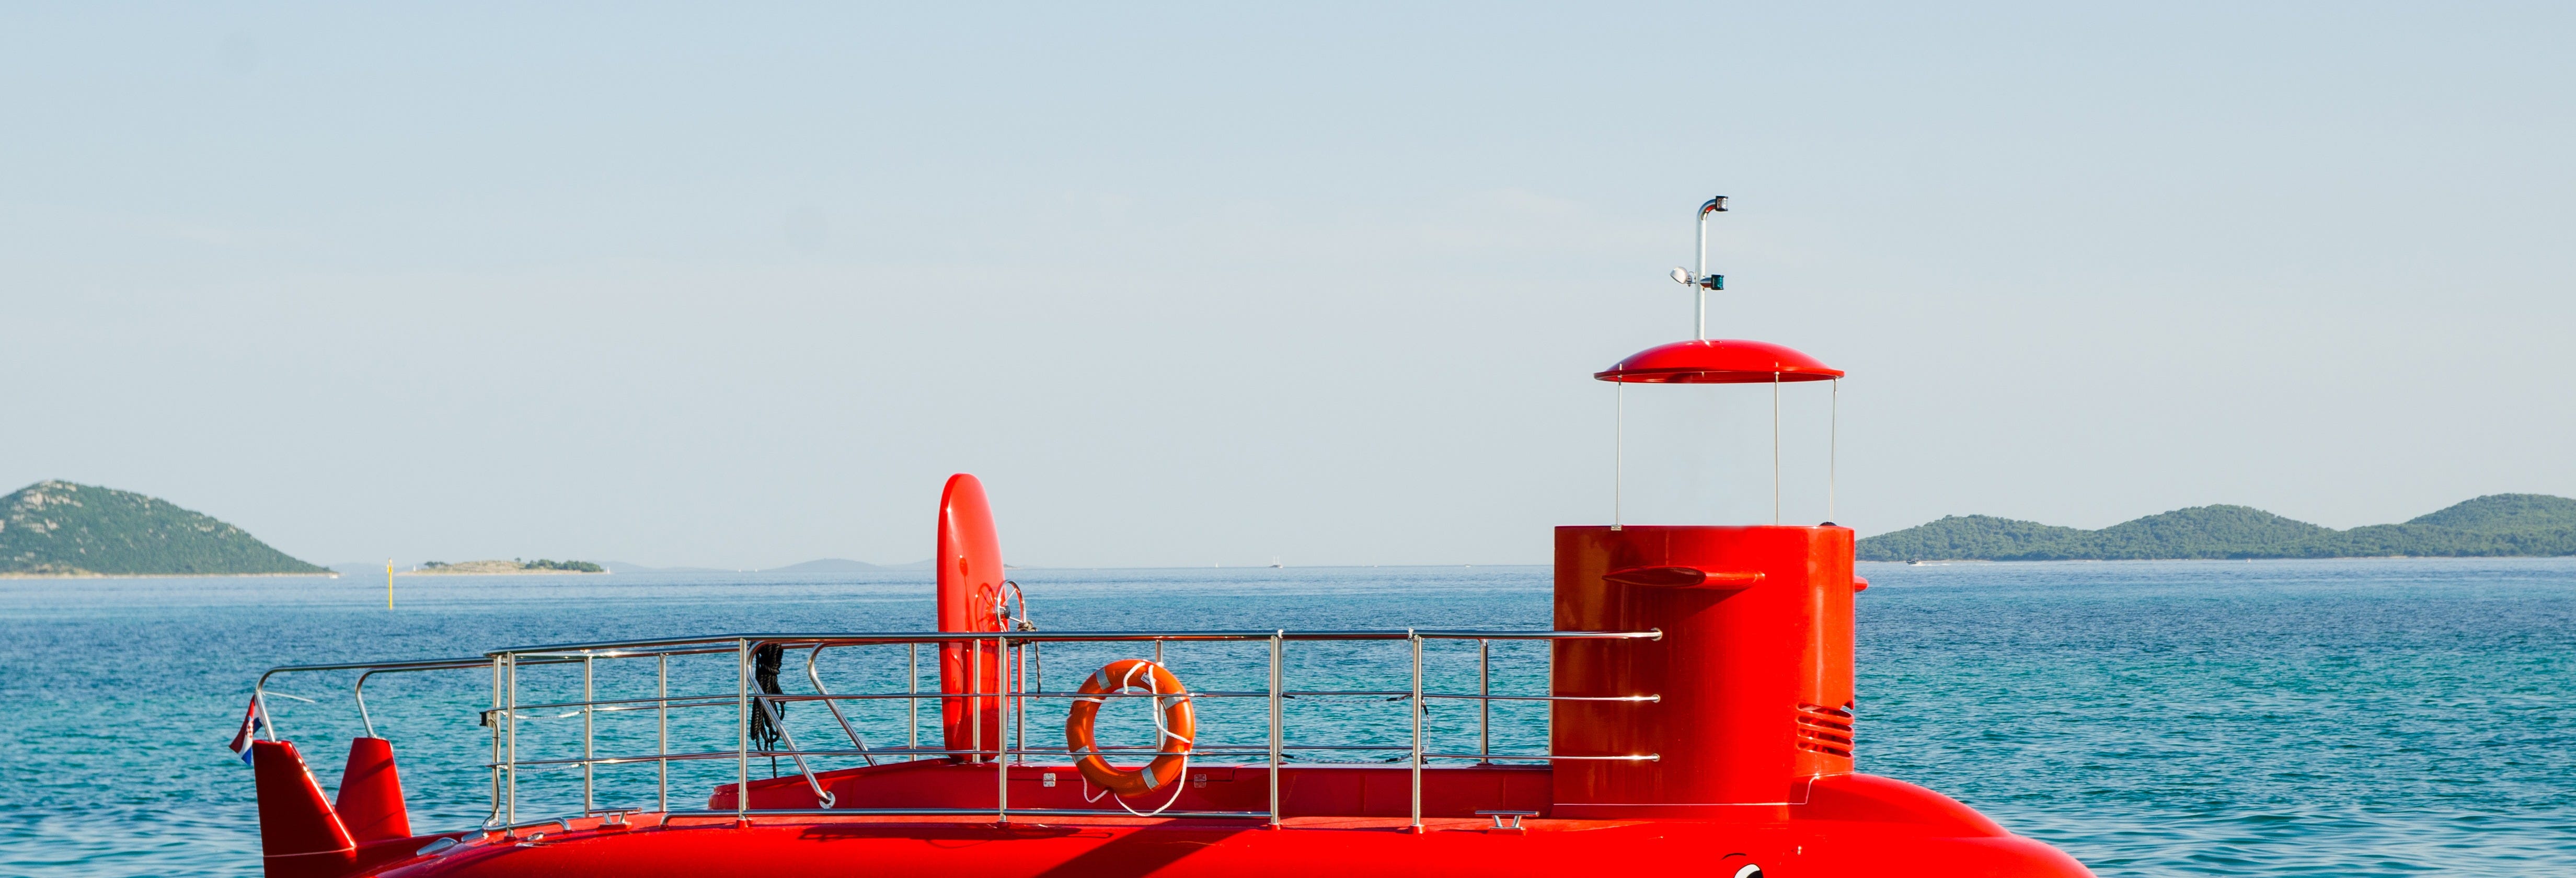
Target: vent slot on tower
<point>1826,730</point>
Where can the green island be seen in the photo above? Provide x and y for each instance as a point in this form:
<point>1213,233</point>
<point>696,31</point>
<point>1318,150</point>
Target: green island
<point>509,567</point>
<point>2496,525</point>
<point>55,528</point>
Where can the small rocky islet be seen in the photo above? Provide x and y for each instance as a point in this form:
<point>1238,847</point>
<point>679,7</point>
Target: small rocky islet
<point>512,567</point>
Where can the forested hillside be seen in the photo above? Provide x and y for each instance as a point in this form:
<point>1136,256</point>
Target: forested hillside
<point>61,529</point>
<point>2494,525</point>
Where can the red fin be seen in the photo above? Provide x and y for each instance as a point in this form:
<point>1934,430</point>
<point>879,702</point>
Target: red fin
<point>299,834</point>
<point>371,794</point>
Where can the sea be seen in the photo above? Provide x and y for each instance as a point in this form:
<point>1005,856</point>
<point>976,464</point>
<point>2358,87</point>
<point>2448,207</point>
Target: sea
<point>2345,717</point>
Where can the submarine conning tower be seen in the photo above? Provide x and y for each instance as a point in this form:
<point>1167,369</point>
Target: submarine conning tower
<point>1753,672</point>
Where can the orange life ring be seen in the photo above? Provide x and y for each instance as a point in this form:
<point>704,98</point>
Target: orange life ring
<point>1174,721</point>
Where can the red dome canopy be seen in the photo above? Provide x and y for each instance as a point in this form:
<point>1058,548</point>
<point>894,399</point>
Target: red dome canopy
<point>1718,361</point>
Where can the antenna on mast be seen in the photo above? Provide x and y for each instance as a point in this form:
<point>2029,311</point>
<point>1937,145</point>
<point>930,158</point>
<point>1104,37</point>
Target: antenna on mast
<point>1701,278</point>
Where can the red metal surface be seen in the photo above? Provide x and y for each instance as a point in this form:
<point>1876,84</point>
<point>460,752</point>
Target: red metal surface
<point>371,796</point>
<point>299,835</point>
<point>1879,827</point>
<point>969,564</point>
<point>1752,676</point>
<point>1718,361</point>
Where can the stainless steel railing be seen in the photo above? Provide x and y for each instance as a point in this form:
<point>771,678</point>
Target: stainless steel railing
<point>1010,704</point>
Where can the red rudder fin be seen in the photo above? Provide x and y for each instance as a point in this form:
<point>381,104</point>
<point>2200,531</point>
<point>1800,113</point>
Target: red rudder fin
<point>299,835</point>
<point>371,794</point>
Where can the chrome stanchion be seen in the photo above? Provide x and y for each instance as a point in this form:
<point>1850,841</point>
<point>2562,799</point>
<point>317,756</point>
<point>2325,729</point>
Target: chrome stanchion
<point>912,706</point>
<point>741,730</point>
<point>1001,760</point>
<point>1484,701</point>
<point>497,762</point>
<point>510,710</point>
<point>974,700</point>
<point>1278,644</point>
<point>1417,728</point>
<point>587,740</point>
<point>662,733</point>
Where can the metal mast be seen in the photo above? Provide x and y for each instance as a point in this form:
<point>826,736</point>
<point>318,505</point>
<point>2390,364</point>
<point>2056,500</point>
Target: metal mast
<point>1699,276</point>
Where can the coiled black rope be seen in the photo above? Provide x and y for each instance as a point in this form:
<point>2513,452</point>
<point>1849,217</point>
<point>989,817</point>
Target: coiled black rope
<point>764,673</point>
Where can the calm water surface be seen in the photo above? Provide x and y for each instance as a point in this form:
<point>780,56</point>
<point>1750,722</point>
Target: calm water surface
<point>2195,718</point>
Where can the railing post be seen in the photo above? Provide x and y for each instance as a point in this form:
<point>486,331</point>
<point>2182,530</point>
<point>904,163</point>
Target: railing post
<point>912,705</point>
<point>1002,755</point>
<point>816,677</point>
<point>742,731</point>
<point>360,694</point>
<point>259,699</point>
<point>974,700</point>
<point>1019,699</point>
<point>510,752</point>
<point>795,752</point>
<point>662,731</point>
<point>587,750</point>
<point>496,721</point>
<point>1278,642</point>
<point>1484,702</point>
<point>1417,727</point>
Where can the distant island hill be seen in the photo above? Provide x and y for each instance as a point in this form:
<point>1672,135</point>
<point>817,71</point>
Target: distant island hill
<point>55,528</point>
<point>2496,525</point>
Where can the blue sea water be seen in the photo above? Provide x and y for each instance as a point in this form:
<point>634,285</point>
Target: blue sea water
<point>2359,717</point>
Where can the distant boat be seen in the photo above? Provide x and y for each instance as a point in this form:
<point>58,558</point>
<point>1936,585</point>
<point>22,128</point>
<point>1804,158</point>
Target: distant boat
<point>1274,561</point>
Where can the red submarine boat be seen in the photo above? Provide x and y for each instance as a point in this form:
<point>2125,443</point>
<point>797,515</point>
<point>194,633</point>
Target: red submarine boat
<point>1698,707</point>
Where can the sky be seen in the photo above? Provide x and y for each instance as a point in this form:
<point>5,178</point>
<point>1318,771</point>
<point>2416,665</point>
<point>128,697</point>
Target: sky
<point>739,286</point>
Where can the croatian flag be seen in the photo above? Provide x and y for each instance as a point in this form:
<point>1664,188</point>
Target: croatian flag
<point>250,729</point>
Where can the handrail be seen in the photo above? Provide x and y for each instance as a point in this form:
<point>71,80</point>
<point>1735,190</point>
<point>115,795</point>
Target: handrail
<point>1007,749</point>
<point>778,721</point>
<point>614,705</point>
<point>834,705</point>
<point>609,648</point>
<point>259,690</point>
<point>1142,750</point>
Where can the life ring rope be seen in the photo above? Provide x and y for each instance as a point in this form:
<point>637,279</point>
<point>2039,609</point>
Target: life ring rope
<point>1175,726</point>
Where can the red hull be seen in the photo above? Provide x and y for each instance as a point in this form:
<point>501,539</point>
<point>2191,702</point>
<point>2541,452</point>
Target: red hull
<point>1700,725</point>
<point>1187,849</point>
<point>1850,825</point>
